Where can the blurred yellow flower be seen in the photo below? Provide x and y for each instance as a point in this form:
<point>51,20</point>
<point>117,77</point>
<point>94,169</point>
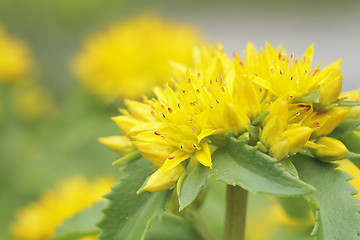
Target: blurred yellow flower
<point>216,95</point>
<point>14,58</point>
<point>132,56</point>
<point>39,220</point>
<point>349,167</point>
<point>31,101</point>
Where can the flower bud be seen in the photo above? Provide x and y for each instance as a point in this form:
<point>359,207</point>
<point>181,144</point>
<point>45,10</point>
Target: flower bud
<point>332,149</point>
<point>271,133</point>
<point>297,137</point>
<point>161,180</point>
<point>279,150</point>
<point>119,144</point>
<point>330,92</point>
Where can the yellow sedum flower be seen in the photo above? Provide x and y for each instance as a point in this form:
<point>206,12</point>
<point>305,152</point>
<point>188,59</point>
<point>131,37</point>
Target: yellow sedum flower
<point>14,58</point>
<point>39,220</point>
<point>131,57</point>
<point>192,113</point>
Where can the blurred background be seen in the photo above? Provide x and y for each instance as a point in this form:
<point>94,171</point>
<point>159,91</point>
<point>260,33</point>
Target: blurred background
<point>39,149</point>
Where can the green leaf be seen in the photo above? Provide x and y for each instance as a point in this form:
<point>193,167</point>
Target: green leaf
<point>349,103</point>
<point>129,216</point>
<point>241,164</point>
<point>254,131</point>
<point>352,142</point>
<point>174,228</point>
<point>192,185</point>
<point>312,97</point>
<point>289,166</point>
<point>335,209</point>
<point>344,128</point>
<point>261,117</point>
<point>82,224</point>
<point>296,207</point>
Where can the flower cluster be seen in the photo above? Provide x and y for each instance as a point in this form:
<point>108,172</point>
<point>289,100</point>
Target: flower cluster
<point>276,99</point>
<point>39,220</point>
<point>131,57</point>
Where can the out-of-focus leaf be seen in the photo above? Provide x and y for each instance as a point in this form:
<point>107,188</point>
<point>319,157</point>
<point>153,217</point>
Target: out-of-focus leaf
<point>174,228</point>
<point>344,128</point>
<point>128,215</point>
<point>81,225</point>
<point>336,210</point>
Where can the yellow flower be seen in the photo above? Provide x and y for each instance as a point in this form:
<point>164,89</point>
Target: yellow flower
<point>216,95</point>
<point>39,220</point>
<point>132,56</point>
<point>14,58</point>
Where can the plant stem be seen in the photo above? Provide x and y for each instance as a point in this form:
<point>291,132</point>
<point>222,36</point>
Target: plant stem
<point>236,202</point>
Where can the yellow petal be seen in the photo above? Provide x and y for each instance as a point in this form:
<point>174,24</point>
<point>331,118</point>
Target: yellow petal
<point>203,155</point>
<point>141,111</point>
<point>175,159</point>
<point>119,144</point>
<point>334,118</point>
<point>162,180</point>
<point>154,152</point>
<point>125,123</point>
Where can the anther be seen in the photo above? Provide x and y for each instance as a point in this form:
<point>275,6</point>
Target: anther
<point>181,146</point>
<point>183,90</point>
<point>198,75</point>
<point>223,89</point>
<point>152,113</point>
<point>197,90</point>
<point>217,100</point>
<point>163,115</point>
<point>171,157</point>
<point>178,105</point>
<point>157,133</point>
<point>291,78</point>
<point>170,110</point>
<point>194,145</point>
<point>163,137</point>
<point>281,72</point>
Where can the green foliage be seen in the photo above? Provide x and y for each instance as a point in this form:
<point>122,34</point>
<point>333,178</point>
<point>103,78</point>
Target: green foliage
<point>241,164</point>
<point>129,216</point>
<point>349,103</point>
<point>334,207</point>
<point>192,185</point>
<point>344,128</point>
<point>296,207</point>
<point>311,97</point>
<point>82,224</point>
<point>174,228</point>
<point>352,142</point>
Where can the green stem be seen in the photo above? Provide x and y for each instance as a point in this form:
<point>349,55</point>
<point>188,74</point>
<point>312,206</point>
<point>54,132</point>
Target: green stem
<point>236,202</point>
